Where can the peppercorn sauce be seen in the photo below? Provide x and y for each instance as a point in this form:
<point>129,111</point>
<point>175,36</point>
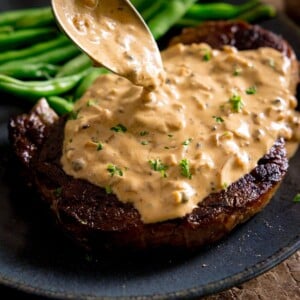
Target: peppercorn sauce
<point>164,151</point>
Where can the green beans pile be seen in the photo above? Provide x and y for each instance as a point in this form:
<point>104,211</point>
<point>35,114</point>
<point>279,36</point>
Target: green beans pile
<point>37,60</point>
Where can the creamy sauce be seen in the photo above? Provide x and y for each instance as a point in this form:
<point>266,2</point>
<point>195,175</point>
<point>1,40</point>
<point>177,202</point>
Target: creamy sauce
<point>216,115</point>
<point>113,35</point>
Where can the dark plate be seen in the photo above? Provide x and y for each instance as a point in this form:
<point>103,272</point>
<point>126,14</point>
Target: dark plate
<point>35,258</point>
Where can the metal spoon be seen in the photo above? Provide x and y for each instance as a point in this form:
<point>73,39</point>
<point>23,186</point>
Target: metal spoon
<point>114,35</point>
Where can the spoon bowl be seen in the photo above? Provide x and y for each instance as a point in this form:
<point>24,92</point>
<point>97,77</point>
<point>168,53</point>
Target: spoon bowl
<point>113,35</point>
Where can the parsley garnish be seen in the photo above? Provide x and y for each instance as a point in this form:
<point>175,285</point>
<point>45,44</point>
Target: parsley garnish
<point>99,146</point>
<point>73,115</point>
<point>236,103</point>
<point>144,143</point>
<point>251,90</point>
<point>185,168</point>
<point>119,128</point>
<point>158,166</point>
<point>57,192</point>
<point>108,189</point>
<point>218,119</point>
<point>224,185</point>
<point>297,198</point>
<point>187,142</point>
<point>170,135</point>
<point>143,133</point>
<point>114,170</point>
<point>90,103</point>
<point>237,71</point>
<point>207,56</point>
<point>271,62</point>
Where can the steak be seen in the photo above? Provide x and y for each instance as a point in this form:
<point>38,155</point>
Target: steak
<point>97,220</point>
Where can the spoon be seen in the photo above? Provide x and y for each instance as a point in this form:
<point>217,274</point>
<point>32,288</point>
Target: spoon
<point>113,35</point>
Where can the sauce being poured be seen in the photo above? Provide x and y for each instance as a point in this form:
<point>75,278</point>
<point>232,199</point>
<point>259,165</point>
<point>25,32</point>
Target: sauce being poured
<point>164,151</point>
<point>112,34</point>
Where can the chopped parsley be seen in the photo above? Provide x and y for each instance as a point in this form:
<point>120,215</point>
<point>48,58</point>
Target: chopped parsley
<point>99,146</point>
<point>119,128</point>
<point>224,185</point>
<point>108,189</point>
<point>187,142</point>
<point>144,143</point>
<point>90,103</point>
<point>297,198</point>
<point>185,168</point>
<point>271,63</point>
<point>251,90</point>
<point>73,115</point>
<point>236,103</point>
<point>158,166</point>
<point>207,56</point>
<point>237,71</point>
<point>170,135</point>
<point>218,119</point>
<point>114,170</point>
<point>57,192</point>
<point>143,133</point>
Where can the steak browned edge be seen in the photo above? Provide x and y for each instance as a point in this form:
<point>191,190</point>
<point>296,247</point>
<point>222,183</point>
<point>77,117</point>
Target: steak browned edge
<point>97,220</point>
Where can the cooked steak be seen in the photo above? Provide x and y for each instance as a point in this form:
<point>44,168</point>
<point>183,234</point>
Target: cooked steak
<point>97,220</point>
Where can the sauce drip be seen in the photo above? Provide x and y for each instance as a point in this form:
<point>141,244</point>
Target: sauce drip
<point>216,115</point>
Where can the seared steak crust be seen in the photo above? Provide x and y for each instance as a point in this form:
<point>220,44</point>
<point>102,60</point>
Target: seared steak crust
<point>97,220</point>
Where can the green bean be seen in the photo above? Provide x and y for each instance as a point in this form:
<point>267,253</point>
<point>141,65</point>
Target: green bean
<point>12,17</point>
<point>263,11</point>
<point>151,11</point>
<point>33,71</point>
<point>6,29</point>
<point>169,14</point>
<point>34,50</point>
<point>75,65</point>
<point>24,37</point>
<point>41,17</point>
<point>141,5</point>
<point>213,11</point>
<point>60,105</point>
<point>88,80</point>
<point>54,56</point>
<point>33,90</point>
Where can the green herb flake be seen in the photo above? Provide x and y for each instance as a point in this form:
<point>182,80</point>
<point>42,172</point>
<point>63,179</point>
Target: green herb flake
<point>144,133</point>
<point>218,119</point>
<point>251,90</point>
<point>108,189</point>
<point>297,198</point>
<point>237,71</point>
<point>224,185</point>
<point>73,115</point>
<point>57,192</point>
<point>99,146</point>
<point>114,170</point>
<point>185,168</point>
<point>271,63</point>
<point>90,103</point>
<point>187,142</point>
<point>170,135</point>
<point>144,143</point>
<point>158,166</point>
<point>207,56</point>
<point>236,103</point>
<point>119,128</point>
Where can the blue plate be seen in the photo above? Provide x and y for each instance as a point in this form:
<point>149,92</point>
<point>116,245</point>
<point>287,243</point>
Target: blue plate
<point>36,259</point>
